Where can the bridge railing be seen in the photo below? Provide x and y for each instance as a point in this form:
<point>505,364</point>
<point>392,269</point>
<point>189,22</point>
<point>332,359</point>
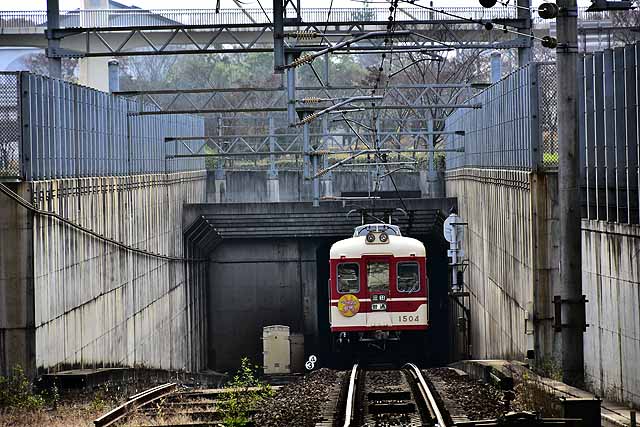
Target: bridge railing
<point>54,129</point>
<point>172,17</point>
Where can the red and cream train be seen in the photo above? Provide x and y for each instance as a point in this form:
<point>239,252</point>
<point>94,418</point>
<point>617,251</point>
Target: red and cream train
<point>378,287</point>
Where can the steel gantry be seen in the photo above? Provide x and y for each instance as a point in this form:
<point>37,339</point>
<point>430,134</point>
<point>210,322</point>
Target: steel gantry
<point>323,123</point>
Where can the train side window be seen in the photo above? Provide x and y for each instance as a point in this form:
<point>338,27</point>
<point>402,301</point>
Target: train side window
<point>408,277</point>
<point>378,276</point>
<point>348,278</point>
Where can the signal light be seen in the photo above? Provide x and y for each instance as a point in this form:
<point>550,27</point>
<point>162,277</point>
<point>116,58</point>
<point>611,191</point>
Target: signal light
<point>549,42</point>
<point>384,237</point>
<point>548,10</point>
<point>488,3</point>
<point>371,237</point>
<point>488,26</point>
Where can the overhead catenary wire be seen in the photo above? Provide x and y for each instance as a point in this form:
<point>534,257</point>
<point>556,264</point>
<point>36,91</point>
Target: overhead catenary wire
<point>388,40</point>
<point>505,28</point>
<point>29,206</point>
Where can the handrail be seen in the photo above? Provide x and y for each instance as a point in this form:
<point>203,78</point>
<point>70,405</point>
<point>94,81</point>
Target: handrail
<point>96,18</point>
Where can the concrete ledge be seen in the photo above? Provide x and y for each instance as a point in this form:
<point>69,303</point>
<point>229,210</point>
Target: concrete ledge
<point>612,414</point>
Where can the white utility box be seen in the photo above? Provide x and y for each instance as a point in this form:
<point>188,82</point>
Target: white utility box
<point>276,349</point>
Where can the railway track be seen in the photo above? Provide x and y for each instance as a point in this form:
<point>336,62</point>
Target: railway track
<point>379,397</point>
<point>175,407</point>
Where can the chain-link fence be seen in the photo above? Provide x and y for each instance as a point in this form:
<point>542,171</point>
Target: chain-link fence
<point>10,128</point>
<point>548,114</point>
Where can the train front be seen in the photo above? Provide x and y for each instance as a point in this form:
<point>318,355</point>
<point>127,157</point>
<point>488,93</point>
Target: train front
<point>378,288</point>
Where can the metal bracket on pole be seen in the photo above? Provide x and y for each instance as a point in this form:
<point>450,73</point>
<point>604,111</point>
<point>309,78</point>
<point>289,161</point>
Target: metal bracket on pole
<point>557,320</point>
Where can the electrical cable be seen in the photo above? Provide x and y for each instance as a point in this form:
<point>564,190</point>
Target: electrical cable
<point>25,204</point>
<point>471,20</point>
<point>265,12</point>
<point>388,40</point>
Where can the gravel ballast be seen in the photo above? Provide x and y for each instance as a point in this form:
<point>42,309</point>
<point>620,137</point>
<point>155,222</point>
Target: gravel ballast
<point>303,403</point>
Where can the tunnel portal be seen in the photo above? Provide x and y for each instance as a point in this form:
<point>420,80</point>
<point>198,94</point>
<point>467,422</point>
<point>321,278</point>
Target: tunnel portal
<point>268,264</point>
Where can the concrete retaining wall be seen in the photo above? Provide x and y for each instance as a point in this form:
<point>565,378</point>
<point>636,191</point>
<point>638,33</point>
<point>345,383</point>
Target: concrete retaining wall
<point>509,217</point>
<point>95,304</point>
<point>611,282</point>
<point>251,186</point>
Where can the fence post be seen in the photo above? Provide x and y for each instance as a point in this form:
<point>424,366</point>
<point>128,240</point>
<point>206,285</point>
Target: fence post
<point>536,161</point>
<point>25,131</point>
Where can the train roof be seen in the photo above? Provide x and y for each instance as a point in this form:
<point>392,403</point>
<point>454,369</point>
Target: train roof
<point>398,246</point>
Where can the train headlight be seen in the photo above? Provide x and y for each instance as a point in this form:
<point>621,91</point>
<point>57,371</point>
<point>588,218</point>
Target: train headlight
<point>371,237</point>
<point>383,237</point>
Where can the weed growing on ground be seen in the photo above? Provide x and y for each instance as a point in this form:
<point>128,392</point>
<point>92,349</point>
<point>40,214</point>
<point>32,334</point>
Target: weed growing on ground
<point>16,391</point>
<point>245,392</point>
<point>535,396</point>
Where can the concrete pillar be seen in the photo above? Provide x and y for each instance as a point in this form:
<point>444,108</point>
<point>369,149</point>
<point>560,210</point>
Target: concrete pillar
<point>569,293</point>
<point>273,188</point>
<point>220,186</point>
<point>496,66</point>
<point>94,71</point>
<point>432,184</point>
<point>114,76</point>
<point>327,186</point>
<point>17,321</point>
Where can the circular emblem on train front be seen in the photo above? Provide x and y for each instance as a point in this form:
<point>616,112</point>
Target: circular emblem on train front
<point>348,305</point>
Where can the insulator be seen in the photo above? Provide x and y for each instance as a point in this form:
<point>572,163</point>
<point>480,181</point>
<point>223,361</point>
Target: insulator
<point>306,35</point>
<point>548,10</point>
<point>304,59</point>
<point>549,42</point>
<point>311,100</point>
<point>488,3</point>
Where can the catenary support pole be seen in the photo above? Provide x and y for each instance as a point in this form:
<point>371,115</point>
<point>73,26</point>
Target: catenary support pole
<point>53,22</point>
<point>525,54</point>
<point>291,92</point>
<point>572,319</point>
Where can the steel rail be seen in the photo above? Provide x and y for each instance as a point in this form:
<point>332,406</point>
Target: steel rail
<point>136,401</point>
<point>426,394</point>
<point>350,407</point>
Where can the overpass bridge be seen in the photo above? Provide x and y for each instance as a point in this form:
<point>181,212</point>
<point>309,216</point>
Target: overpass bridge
<point>116,32</point>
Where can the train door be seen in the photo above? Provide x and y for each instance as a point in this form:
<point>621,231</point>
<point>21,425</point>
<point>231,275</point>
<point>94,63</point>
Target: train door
<point>379,274</point>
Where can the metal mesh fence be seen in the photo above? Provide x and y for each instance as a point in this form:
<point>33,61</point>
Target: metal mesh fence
<point>66,130</point>
<point>517,126</point>
<point>548,111</point>
<point>499,133</point>
<point>609,130</point>
<point>9,127</point>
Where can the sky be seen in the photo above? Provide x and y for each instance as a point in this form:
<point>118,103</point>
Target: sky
<point>210,4</point>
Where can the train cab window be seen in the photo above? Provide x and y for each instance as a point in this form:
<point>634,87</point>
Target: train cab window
<point>348,278</point>
<point>408,277</point>
<point>378,276</point>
